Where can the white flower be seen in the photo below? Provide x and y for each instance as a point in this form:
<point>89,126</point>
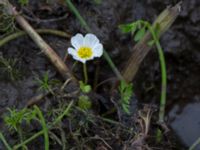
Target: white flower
<point>85,48</point>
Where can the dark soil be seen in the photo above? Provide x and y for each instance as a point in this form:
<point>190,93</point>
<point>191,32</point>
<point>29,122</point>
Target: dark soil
<point>180,43</point>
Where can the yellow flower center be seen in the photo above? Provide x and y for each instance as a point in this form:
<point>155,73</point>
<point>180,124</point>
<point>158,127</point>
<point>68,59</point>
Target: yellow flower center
<point>85,52</point>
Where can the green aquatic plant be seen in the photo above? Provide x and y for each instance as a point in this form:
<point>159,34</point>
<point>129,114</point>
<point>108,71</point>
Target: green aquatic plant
<point>7,22</point>
<point>85,88</point>
<point>9,68</point>
<point>15,117</point>
<point>85,48</point>
<point>84,102</point>
<point>44,126</point>
<point>87,28</point>
<point>46,84</point>
<point>3,139</point>
<point>126,92</point>
<point>23,2</point>
<point>97,1</point>
<point>138,29</point>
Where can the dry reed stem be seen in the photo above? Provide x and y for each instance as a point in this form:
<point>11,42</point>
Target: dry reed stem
<point>46,49</point>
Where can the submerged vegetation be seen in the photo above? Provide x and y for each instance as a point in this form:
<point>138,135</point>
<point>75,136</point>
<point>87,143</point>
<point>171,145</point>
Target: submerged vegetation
<point>141,27</point>
<point>126,92</point>
<point>7,24</point>
<point>89,109</point>
<point>8,67</point>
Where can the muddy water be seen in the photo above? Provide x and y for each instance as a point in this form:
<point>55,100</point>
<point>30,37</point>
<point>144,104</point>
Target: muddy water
<point>181,46</point>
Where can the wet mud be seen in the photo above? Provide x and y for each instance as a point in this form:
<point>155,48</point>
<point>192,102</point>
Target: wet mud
<point>180,43</point>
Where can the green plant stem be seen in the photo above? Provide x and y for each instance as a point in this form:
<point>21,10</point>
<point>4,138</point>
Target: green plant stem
<point>85,25</point>
<point>59,118</point>
<point>163,75</point>
<point>163,84</point>
<point>77,14</point>
<point>112,65</point>
<point>28,140</point>
<point>40,31</point>
<point>44,126</point>
<point>155,37</point>
<point>197,142</point>
<point>5,142</point>
<point>19,130</point>
<point>85,72</point>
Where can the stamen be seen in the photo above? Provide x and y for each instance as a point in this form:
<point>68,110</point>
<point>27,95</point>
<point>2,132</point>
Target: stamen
<point>85,52</point>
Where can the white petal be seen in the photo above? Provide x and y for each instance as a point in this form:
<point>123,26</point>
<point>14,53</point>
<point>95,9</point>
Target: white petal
<point>90,40</point>
<point>79,59</point>
<point>72,51</point>
<point>77,40</point>
<point>98,50</point>
<point>75,56</point>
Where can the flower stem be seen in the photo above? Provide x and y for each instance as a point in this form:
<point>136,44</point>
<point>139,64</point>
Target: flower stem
<point>88,29</point>
<point>85,72</point>
<point>78,15</point>
<point>163,74</point>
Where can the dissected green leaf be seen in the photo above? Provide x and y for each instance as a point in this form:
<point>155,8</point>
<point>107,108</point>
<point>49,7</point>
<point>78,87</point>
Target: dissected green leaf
<point>126,28</point>
<point>151,43</point>
<point>84,102</point>
<point>159,135</point>
<point>126,108</point>
<point>16,117</point>
<point>126,91</point>
<point>85,88</point>
<point>140,34</point>
<point>23,2</point>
